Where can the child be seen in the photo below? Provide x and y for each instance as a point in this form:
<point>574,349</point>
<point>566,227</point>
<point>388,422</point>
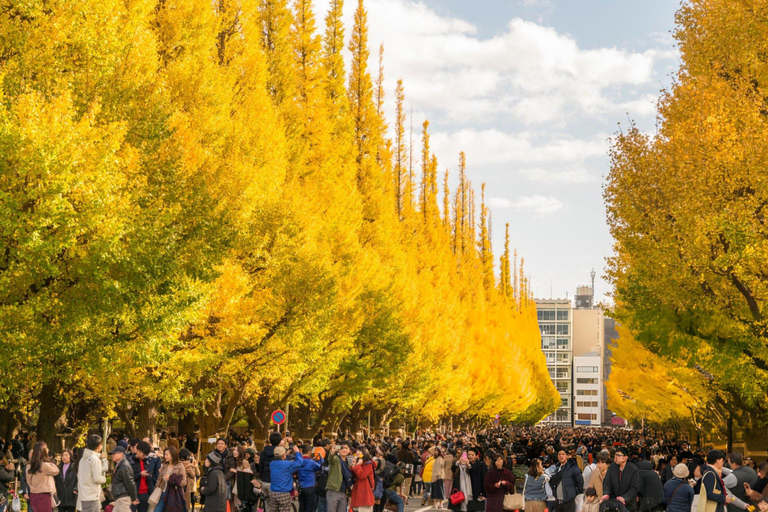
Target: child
<point>591,503</point>
<point>762,505</point>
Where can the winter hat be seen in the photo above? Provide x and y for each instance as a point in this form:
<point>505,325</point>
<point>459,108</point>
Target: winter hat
<point>279,452</point>
<point>681,471</point>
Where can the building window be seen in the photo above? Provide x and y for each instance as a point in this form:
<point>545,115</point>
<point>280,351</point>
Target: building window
<point>586,392</point>
<point>546,315</point>
<point>586,416</point>
<point>548,343</point>
<point>563,373</point>
<point>586,369</point>
<point>562,329</point>
<point>562,343</point>
<point>547,329</point>
<point>561,415</point>
<point>583,380</point>
<point>563,358</point>
<point>586,404</point>
<point>562,315</point>
<point>562,387</point>
<point>564,401</point>
<point>550,357</point>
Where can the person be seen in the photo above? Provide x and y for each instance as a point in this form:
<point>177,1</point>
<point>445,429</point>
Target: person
<point>7,471</point>
<point>339,478</point>
<point>281,473</point>
<point>392,482</point>
<point>236,462</point>
<point>712,482</point>
<point>678,493</point>
<point>598,474</point>
<point>535,493</point>
<point>265,459</point>
<point>40,478</point>
<point>448,473</point>
<point>740,474</point>
<point>308,479</point>
<point>566,483</point>
<point>91,474</point>
<point>622,480</point>
<point>438,471</point>
<point>362,499</point>
<point>405,455</point>
<point>146,471</point>
<point>66,483</point>
<point>498,482</point>
<point>193,472</point>
<point>760,489</point>
<point>173,480</point>
<point>426,475</point>
<point>123,485</point>
<point>591,501</point>
<point>477,471</point>
<point>215,489</point>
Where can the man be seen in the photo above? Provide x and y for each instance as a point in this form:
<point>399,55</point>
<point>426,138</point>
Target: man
<point>391,486</point>
<point>477,470</point>
<point>146,471</point>
<point>308,479</point>
<point>712,481</point>
<point>339,478</point>
<point>6,476</point>
<point>123,485</point>
<point>405,455</point>
<point>566,483</point>
<point>740,474</point>
<point>265,460</point>
<point>281,473</point>
<point>622,480</point>
<point>91,475</point>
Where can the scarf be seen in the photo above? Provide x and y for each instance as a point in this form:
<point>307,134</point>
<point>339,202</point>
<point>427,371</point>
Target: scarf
<point>466,485</point>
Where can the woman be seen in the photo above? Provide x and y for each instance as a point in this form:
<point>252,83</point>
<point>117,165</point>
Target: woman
<point>66,483</point>
<point>438,471</point>
<point>192,471</point>
<point>240,456</point>
<point>40,479</point>
<point>678,494</point>
<point>362,492</point>
<point>173,481</point>
<point>535,492</point>
<point>426,476</point>
<point>598,475</point>
<point>667,474</point>
<point>462,482</point>
<point>498,482</point>
<point>215,489</point>
<point>448,474</point>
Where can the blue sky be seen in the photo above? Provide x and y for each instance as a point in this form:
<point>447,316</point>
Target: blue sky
<point>531,90</point>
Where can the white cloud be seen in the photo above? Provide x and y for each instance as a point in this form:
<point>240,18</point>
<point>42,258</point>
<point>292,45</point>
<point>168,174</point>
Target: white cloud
<point>493,146</point>
<point>537,204</point>
<point>578,175</point>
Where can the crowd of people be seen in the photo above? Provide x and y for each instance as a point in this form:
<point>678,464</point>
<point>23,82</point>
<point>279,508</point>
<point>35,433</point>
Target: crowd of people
<point>492,470</point>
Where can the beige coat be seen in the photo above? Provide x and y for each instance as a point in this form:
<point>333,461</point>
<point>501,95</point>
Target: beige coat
<point>438,469</point>
<point>166,470</point>
<point>448,463</point>
<point>43,481</point>
<point>596,481</point>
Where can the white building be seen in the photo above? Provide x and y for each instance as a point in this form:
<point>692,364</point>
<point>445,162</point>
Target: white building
<point>556,327</point>
<point>588,394</point>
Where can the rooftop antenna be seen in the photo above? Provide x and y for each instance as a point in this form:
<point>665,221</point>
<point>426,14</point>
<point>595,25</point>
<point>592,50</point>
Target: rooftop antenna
<point>592,300</point>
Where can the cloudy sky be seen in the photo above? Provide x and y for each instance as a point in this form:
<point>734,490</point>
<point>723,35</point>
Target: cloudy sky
<point>531,90</point>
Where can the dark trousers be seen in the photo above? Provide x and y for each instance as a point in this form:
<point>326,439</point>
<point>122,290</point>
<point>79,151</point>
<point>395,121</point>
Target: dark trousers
<point>568,506</point>
<point>143,505</point>
<point>307,499</point>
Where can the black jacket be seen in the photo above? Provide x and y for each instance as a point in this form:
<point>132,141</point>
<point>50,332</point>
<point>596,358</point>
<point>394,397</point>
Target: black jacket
<point>714,487</point>
<point>67,486</point>
<point>651,492</point>
<point>570,478</point>
<point>623,483</point>
<point>122,481</point>
<point>267,456</point>
<point>215,491</point>
<point>477,473</point>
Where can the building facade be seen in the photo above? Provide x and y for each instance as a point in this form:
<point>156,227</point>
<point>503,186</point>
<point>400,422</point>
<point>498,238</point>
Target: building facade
<point>588,390</point>
<point>556,326</point>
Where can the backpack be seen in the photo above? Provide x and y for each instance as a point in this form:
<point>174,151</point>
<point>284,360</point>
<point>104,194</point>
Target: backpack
<point>388,474</point>
<point>612,506</point>
<point>321,483</point>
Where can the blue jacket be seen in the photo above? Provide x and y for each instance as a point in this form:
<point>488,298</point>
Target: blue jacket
<point>151,465</point>
<point>307,473</point>
<point>282,472</point>
<point>681,502</point>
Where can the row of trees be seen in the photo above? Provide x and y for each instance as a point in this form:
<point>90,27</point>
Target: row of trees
<point>202,217</point>
<point>687,208</point>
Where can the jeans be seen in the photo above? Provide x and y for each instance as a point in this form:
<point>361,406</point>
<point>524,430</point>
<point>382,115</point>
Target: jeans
<point>143,505</point>
<point>427,491</point>
<point>395,498</point>
<point>307,499</point>
<point>321,504</point>
<point>336,501</point>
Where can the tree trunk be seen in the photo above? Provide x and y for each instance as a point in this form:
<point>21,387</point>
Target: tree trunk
<point>52,407</point>
<point>146,423</point>
<point>187,424</point>
<point>729,446</point>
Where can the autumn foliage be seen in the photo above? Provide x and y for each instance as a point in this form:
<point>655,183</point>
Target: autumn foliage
<point>202,216</point>
<point>687,208</point>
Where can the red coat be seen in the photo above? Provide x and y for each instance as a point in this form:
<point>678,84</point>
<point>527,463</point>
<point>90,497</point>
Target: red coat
<point>362,492</point>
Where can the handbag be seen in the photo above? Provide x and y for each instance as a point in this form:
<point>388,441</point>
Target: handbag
<point>154,498</point>
<point>161,504</point>
<point>704,505</point>
<point>456,497</point>
<point>513,502</point>
<point>16,504</point>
